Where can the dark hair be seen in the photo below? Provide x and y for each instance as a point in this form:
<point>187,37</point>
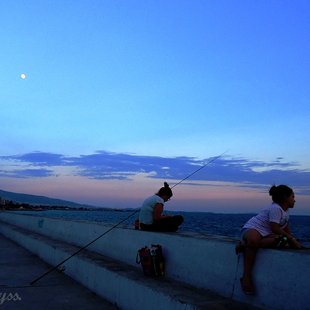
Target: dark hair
<point>280,193</point>
<point>166,190</point>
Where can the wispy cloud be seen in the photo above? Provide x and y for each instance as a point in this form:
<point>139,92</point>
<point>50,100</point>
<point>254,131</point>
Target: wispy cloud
<point>27,173</point>
<point>37,159</point>
<point>107,165</point>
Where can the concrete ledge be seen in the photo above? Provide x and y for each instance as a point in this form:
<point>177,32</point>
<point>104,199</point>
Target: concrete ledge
<point>120,283</point>
<point>191,258</point>
<point>204,262</point>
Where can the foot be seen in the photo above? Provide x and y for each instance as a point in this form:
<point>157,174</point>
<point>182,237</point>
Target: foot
<point>247,287</point>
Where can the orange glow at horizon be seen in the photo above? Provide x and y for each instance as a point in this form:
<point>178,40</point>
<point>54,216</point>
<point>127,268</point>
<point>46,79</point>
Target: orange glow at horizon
<point>208,196</point>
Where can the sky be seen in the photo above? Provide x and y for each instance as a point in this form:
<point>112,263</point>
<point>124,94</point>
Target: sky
<point>104,100</point>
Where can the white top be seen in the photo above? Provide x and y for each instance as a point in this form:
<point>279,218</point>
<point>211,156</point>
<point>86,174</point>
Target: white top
<point>147,210</point>
<point>261,222</point>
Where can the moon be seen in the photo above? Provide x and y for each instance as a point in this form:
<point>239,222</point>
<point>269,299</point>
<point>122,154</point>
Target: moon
<point>23,76</point>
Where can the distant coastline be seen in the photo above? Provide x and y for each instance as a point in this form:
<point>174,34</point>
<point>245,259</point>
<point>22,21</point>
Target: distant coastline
<point>11,201</point>
<point>35,201</point>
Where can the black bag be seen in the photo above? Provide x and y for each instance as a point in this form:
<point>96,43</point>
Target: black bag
<point>151,260</point>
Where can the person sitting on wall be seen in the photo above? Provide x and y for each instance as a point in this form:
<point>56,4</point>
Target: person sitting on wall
<point>151,216</point>
<point>269,229</point>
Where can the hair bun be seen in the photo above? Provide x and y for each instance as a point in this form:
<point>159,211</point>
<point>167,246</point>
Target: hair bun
<point>165,190</point>
<point>273,190</point>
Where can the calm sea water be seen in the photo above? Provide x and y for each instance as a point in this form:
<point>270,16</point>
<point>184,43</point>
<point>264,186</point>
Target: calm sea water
<point>200,222</point>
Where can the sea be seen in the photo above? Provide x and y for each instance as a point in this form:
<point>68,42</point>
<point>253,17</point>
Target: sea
<point>205,223</point>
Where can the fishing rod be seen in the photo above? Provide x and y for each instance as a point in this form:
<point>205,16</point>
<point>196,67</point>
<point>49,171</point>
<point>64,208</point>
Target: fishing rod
<point>122,221</point>
<point>79,250</point>
<point>200,168</point>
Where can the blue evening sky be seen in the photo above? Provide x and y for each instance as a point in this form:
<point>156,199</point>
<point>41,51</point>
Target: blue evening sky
<point>119,96</point>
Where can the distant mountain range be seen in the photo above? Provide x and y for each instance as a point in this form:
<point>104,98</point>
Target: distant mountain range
<point>40,200</point>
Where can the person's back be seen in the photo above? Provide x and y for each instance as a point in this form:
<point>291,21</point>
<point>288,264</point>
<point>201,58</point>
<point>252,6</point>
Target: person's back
<point>261,222</point>
<point>147,209</point>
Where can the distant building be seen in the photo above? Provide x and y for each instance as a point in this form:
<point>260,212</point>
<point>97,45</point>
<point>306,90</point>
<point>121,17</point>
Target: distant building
<point>2,203</point>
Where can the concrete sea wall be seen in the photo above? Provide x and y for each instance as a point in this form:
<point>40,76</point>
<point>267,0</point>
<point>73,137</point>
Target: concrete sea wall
<point>202,261</point>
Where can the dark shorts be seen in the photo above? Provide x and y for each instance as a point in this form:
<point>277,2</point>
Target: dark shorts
<point>168,224</point>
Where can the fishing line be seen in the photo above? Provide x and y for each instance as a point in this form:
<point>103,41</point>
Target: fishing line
<point>122,221</point>
<point>201,167</point>
<point>236,276</point>
<point>81,249</point>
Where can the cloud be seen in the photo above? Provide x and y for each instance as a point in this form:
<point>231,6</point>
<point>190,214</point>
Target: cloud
<point>107,165</point>
<point>26,173</point>
<point>242,170</point>
<point>37,159</point>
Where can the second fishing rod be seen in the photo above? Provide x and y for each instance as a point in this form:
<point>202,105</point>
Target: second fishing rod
<point>119,223</point>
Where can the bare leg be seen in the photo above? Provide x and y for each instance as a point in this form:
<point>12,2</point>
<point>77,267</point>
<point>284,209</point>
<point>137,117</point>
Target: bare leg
<point>268,242</point>
<point>253,241</point>
<point>249,261</point>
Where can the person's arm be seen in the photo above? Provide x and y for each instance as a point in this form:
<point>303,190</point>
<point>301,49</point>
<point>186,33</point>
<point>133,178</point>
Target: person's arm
<point>276,229</point>
<point>287,229</point>
<point>158,210</point>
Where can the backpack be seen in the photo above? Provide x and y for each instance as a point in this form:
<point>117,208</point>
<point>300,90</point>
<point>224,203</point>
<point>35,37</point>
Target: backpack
<point>151,260</point>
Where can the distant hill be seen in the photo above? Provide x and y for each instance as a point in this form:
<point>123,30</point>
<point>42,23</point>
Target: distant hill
<point>40,200</point>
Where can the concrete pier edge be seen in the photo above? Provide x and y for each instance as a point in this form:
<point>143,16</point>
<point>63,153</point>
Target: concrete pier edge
<point>202,262</point>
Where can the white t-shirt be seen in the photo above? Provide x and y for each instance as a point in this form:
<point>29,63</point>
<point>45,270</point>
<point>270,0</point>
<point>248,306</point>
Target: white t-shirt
<point>261,222</point>
<point>146,214</point>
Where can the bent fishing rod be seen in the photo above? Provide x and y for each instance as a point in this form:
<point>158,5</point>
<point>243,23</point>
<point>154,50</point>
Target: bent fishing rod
<point>122,221</point>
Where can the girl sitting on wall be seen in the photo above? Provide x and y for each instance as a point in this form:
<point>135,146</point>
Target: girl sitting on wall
<point>268,229</point>
<point>151,216</point>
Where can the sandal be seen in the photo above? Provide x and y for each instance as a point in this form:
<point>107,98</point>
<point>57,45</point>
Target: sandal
<point>247,289</point>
